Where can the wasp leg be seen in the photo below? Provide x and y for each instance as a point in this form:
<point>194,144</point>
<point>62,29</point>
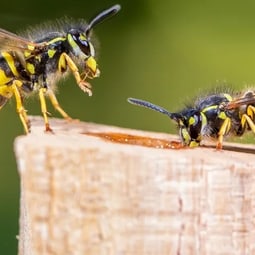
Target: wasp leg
<point>65,59</point>
<point>224,129</point>
<point>248,118</point>
<point>251,111</point>
<point>56,105</point>
<point>20,109</point>
<point>42,92</point>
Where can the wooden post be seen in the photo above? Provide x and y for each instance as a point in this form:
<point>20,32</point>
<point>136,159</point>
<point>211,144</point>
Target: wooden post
<point>85,195</point>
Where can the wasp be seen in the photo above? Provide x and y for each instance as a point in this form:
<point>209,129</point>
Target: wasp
<point>38,61</point>
<point>214,116</point>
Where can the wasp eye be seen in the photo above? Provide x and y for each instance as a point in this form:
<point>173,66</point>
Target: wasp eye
<point>84,46</point>
<point>82,43</point>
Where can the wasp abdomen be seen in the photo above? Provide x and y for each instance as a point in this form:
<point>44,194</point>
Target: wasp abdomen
<point>37,63</point>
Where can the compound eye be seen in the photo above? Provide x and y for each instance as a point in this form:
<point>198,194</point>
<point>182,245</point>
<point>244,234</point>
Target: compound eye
<point>82,43</point>
<point>84,46</point>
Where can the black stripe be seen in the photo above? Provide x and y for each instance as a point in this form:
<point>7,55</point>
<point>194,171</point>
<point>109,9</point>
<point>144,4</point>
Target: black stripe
<point>5,67</point>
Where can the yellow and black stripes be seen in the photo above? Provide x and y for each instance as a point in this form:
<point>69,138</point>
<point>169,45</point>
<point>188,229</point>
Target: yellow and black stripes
<point>9,70</point>
<point>213,116</point>
<point>36,65</point>
<point>8,67</point>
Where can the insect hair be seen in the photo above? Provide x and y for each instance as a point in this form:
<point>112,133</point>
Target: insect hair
<point>58,27</point>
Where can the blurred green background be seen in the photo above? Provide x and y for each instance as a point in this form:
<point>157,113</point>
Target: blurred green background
<point>162,51</point>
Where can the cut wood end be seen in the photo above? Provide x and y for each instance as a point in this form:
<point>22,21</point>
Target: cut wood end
<point>83,194</point>
<point>77,133</point>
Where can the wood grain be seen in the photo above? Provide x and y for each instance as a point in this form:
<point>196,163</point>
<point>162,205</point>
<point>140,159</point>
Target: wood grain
<point>82,194</point>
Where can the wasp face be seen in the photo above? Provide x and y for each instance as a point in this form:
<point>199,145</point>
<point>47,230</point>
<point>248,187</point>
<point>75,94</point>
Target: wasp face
<point>83,49</point>
<point>190,121</point>
<point>190,125</point>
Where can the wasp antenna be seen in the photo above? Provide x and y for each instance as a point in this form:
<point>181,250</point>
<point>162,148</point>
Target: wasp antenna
<point>152,106</point>
<point>101,17</point>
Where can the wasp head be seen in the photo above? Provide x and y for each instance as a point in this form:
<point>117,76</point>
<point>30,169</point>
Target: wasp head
<point>81,45</point>
<point>190,121</point>
<point>84,50</point>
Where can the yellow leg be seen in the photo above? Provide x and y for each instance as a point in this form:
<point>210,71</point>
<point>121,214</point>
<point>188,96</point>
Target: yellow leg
<point>251,111</point>
<point>44,109</point>
<point>85,86</point>
<point>246,118</point>
<point>20,109</point>
<point>223,130</point>
<point>56,105</point>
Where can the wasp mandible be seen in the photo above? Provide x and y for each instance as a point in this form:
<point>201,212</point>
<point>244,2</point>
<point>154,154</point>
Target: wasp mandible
<point>37,61</point>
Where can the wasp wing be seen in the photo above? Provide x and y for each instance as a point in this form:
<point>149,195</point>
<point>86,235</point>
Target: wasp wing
<point>247,99</point>
<point>12,42</point>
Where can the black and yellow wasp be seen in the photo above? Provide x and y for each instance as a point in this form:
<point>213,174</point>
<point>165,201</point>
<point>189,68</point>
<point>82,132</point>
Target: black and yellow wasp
<point>36,62</point>
<point>215,116</point>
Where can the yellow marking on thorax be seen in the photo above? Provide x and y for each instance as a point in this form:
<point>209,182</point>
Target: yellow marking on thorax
<point>56,40</point>
<point>51,53</point>
<point>222,115</point>
<point>204,120</point>
<point>27,53</point>
<point>10,61</point>
<point>30,68</point>
<point>228,97</point>
<point>209,108</point>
